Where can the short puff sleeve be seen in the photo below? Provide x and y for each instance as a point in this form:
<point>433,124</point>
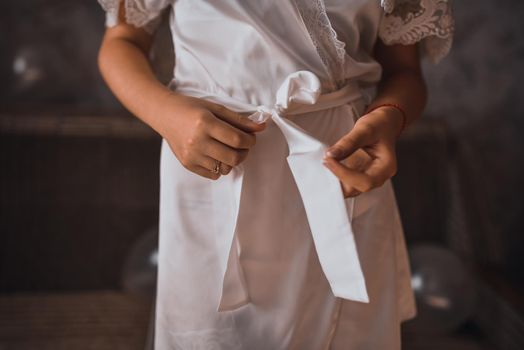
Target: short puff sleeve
<point>140,13</point>
<point>429,22</point>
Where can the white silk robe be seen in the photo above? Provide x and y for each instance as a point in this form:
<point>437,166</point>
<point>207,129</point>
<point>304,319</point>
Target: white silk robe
<point>272,256</point>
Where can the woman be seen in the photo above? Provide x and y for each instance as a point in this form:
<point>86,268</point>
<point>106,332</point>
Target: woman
<point>279,227</point>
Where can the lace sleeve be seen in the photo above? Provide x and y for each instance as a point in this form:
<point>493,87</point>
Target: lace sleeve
<point>410,21</point>
<point>140,13</point>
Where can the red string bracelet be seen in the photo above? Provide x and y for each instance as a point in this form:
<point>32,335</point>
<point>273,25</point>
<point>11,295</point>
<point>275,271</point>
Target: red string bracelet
<point>397,107</point>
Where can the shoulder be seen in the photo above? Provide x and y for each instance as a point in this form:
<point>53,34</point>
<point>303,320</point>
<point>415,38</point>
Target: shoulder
<point>144,14</point>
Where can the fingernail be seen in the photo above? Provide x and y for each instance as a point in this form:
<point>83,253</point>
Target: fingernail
<point>333,152</point>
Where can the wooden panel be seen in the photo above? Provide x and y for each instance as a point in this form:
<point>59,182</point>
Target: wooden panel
<point>75,194</point>
<point>83,321</point>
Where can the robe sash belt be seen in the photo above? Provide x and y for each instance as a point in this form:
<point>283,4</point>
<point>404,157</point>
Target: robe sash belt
<point>319,189</point>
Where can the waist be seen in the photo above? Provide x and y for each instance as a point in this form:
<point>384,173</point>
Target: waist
<point>294,97</point>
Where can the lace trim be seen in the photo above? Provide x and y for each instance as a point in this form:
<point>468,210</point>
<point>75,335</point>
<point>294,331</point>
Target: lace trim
<point>136,14</point>
<point>411,21</point>
<point>331,50</point>
<point>388,5</point>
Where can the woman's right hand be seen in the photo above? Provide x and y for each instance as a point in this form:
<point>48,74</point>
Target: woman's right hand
<point>200,132</point>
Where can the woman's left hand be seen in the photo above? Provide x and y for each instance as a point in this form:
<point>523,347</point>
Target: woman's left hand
<point>365,157</point>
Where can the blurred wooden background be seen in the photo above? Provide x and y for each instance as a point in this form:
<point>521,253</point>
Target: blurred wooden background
<point>79,177</point>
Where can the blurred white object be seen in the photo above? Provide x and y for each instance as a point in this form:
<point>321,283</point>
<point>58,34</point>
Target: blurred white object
<point>140,267</point>
<point>444,289</point>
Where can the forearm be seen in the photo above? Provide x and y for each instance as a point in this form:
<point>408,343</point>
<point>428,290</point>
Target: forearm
<point>406,89</point>
<point>402,82</point>
<point>128,73</point>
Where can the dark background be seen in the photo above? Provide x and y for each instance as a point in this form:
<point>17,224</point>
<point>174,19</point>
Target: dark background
<point>79,176</point>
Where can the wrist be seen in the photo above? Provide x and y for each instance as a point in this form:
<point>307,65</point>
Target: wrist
<point>394,116</point>
<point>165,111</point>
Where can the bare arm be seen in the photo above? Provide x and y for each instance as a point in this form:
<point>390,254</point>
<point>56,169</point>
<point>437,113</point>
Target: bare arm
<point>365,157</point>
<point>200,133</point>
<point>402,80</point>
<point>123,63</point>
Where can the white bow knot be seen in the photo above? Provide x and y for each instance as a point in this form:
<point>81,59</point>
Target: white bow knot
<point>298,89</point>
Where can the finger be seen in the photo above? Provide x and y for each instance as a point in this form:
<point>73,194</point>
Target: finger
<point>352,193</point>
<point>235,119</point>
<point>221,152</point>
<point>206,162</point>
<point>358,137</point>
<point>358,180</point>
<point>231,136</point>
<point>384,164</point>
<point>373,177</point>
<point>199,170</point>
<point>380,171</point>
<point>349,190</point>
<point>225,169</point>
<point>210,164</point>
<point>359,160</point>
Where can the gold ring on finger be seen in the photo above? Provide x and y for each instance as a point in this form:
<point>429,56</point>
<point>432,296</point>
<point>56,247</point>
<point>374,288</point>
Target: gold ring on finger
<point>216,169</point>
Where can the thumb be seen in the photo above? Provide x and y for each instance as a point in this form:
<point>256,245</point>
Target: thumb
<point>357,138</point>
<point>236,119</point>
